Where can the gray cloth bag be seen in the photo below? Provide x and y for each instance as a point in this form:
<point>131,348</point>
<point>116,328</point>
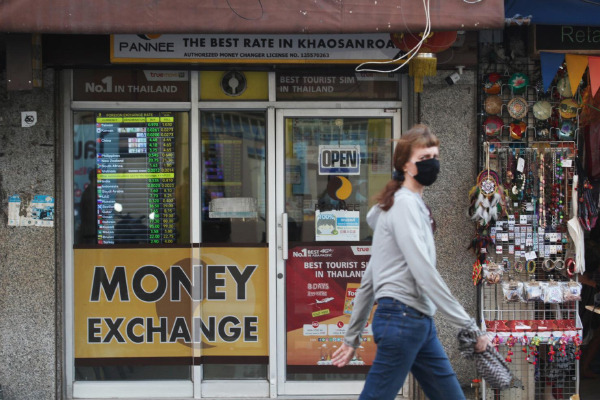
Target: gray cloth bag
<point>489,363</point>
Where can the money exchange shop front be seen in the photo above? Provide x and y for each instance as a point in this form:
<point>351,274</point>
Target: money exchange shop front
<point>216,228</point>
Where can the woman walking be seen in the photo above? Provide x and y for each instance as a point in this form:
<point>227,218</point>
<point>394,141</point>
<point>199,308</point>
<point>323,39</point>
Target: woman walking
<point>402,278</point>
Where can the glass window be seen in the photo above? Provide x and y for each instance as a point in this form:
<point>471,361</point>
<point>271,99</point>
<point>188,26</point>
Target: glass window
<point>233,177</point>
<point>333,168</point>
<point>234,205</point>
<point>131,190</point>
<point>235,371</point>
<point>103,372</point>
<point>311,188</point>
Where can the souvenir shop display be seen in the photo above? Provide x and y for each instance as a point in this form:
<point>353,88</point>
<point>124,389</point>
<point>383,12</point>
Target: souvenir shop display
<point>493,83</point>
<point>517,130</point>
<point>493,126</point>
<point>542,130</point>
<point>493,105</point>
<point>542,110</point>
<point>526,207</point>
<point>518,82</point>
<point>517,107</point>
<point>568,108</point>
<point>564,87</point>
<point>566,130</point>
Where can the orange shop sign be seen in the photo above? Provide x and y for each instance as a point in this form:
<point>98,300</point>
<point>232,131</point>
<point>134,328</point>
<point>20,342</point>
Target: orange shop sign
<point>170,302</point>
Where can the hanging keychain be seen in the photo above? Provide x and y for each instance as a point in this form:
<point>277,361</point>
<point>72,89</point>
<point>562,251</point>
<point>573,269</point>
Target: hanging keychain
<point>510,342</point>
<point>564,339</point>
<point>524,343</point>
<point>577,343</point>
<point>551,350</point>
<point>533,345</point>
<point>496,341</point>
<point>477,268</point>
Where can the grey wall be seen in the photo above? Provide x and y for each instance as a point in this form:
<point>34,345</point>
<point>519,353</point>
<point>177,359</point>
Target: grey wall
<point>27,254</point>
<point>450,112</point>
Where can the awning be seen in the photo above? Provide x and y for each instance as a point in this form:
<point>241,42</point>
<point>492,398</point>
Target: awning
<point>245,16</point>
<point>555,12</point>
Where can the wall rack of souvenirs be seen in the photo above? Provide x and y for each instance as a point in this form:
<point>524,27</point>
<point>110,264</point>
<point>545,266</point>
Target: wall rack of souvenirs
<point>526,261</point>
<point>514,110</point>
<point>527,231</point>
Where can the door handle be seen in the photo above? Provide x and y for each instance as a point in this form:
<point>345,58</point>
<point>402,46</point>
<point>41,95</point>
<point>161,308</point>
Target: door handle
<point>284,235</point>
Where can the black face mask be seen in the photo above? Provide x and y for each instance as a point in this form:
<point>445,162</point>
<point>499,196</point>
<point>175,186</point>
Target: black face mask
<point>427,171</point>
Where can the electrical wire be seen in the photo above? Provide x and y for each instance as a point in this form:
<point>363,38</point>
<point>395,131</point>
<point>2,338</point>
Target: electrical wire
<point>410,54</point>
<point>262,11</point>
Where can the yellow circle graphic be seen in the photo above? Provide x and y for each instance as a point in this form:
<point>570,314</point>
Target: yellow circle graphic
<point>339,188</point>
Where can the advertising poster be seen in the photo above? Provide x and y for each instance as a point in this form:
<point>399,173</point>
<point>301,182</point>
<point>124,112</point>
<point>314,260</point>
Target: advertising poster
<point>337,225</point>
<point>171,302</point>
<point>321,285</point>
<point>40,212</point>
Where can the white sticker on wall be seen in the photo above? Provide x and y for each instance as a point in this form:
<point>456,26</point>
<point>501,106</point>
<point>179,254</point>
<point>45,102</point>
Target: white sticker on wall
<point>14,205</point>
<point>28,118</point>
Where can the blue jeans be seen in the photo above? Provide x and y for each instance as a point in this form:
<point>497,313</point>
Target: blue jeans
<point>407,341</point>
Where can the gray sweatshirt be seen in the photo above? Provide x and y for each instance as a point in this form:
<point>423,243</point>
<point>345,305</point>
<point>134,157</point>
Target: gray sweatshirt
<point>403,266</point>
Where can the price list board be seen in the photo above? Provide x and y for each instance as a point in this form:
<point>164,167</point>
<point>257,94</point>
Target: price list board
<point>135,165</point>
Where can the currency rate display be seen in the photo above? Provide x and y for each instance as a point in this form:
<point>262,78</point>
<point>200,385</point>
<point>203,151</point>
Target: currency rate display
<point>135,167</point>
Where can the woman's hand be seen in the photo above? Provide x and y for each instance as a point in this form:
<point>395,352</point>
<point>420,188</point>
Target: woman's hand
<point>482,343</point>
<point>343,355</point>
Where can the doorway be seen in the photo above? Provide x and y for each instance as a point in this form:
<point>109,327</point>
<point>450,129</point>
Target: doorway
<point>330,164</point>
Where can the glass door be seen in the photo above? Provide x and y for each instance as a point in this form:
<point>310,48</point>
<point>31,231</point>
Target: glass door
<point>330,163</point>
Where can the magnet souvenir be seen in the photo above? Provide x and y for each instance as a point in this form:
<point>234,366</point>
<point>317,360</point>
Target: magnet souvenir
<point>493,83</point>
<point>518,82</point>
<point>517,130</point>
<point>564,87</point>
<point>493,126</point>
<point>493,105</point>
<point>567,130</point>
<point>542,130</point>
<point>517,107</point>
<point>542,110</point>
<point>568,108</point>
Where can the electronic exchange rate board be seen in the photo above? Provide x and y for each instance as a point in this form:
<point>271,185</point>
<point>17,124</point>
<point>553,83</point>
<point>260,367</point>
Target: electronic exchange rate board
<point>135,166</point>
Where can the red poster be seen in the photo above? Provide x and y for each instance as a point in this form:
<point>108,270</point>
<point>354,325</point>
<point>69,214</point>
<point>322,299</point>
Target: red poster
<point>321,283</point>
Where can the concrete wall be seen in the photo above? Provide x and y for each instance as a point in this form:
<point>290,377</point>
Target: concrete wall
<point>450,112</point>
<point>28,270</point>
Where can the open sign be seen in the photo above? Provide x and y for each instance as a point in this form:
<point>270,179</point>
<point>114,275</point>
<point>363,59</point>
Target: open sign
<point>339,160</point>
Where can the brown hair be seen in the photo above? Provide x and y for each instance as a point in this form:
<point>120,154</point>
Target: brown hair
<point>418,136</point>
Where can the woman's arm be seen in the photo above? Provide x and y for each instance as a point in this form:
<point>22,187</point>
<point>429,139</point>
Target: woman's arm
<point>363,303</point>
<point>411,237</point>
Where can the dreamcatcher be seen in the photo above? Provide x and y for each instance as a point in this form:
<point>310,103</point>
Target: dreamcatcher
<point>487,205</point>
<point>486,198</point>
